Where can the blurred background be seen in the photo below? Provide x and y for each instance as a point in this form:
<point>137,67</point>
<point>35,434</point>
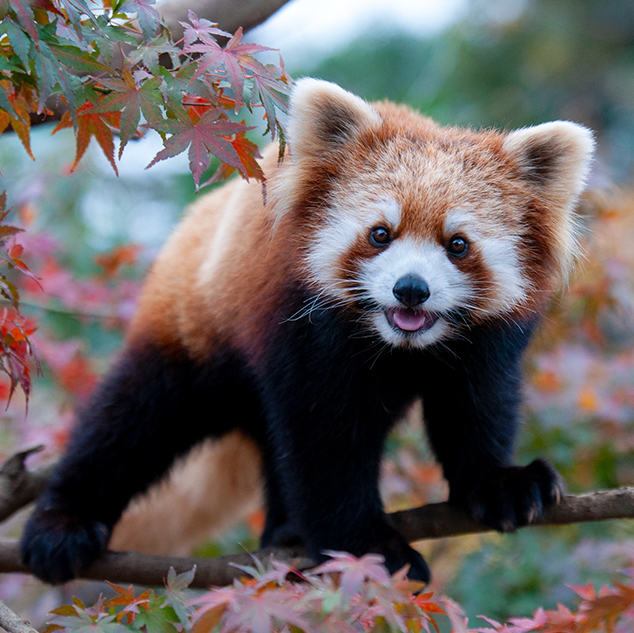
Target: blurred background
<point>481,63</point>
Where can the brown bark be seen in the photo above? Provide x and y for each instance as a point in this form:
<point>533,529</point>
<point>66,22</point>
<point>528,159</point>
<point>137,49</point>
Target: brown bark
<point>19,486</point>
<point>430,521</point>
<point>11,623</point>
<point>229,14</point>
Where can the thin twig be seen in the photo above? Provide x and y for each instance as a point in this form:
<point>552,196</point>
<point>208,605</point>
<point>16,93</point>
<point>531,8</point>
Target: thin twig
<point>92,314</point>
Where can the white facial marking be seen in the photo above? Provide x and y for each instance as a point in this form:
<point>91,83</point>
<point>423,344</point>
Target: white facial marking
<point>346,224</point>
<point>391,211</point>
<point>500,257</point>
<point>459,222</point>
<point>449,288</point>
<point>499,250</point>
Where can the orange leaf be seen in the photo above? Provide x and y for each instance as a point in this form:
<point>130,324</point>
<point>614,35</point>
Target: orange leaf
<point>23,130</point>
<point>112,262</point>
<point>209,620</point>
<point>89,124</point>
<point>588,400</point>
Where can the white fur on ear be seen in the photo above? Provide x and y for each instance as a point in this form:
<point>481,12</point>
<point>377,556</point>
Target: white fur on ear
<point>553,156</point>
<point>555,159</point>
<point>323,115</point>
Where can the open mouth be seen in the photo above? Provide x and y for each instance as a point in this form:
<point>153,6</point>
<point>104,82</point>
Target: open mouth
<point>408,320</point>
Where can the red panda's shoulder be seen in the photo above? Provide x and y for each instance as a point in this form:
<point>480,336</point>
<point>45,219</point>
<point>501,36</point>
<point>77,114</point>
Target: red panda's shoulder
<point>225,261</point>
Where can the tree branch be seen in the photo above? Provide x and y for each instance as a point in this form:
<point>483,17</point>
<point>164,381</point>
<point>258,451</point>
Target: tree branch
<point>11,623</point>
<point>19,486</point>
<point>229,14</point>
<point>430,521</point>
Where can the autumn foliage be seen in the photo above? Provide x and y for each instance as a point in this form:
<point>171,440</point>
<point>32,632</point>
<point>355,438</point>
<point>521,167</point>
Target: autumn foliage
<point>343,594</point>
<point>68,51</point>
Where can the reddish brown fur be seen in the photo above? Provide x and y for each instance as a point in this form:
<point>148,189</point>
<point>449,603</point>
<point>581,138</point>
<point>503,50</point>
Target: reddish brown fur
<point>231,262</point>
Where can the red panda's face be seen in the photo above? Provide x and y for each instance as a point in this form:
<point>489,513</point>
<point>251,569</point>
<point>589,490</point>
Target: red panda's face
<point>420,230</point>
<point>421,250</point>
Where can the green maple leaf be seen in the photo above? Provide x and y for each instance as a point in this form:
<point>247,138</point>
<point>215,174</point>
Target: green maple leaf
<point>24,13</point>
<point>175,83</point>
<point>148,54</point>
<point>156,617</point>
<point>148,17</point>
<point>133,100</point>
<point>178,597</point>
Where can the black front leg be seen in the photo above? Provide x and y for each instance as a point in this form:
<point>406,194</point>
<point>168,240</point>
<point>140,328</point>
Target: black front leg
<point>328,469</point>
<point>328,413</point>
<point>471,396</point>
<point>151,408</point>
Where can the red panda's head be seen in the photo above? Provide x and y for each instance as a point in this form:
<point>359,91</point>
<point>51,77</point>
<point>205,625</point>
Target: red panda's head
<point>426,229</point>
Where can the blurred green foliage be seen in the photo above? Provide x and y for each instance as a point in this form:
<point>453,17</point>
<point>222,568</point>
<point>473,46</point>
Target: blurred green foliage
<point>509,64</point>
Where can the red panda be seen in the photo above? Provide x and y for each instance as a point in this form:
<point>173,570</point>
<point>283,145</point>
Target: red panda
<point>393,259</point>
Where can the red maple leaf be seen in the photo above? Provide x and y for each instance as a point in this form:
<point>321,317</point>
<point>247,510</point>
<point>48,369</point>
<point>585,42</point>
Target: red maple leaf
<point>89,124</point>
<point>247,152</point>
<point>233,59</point>
<point>203,137</point>
<point>200,29</point>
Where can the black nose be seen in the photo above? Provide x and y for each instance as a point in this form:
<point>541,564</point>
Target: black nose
<point>411,290</point>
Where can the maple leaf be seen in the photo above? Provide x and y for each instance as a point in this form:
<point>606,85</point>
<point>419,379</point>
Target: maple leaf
<point>231,59</point>
<point>176,83</point>
<point>111,262</point>
<point>605,609</point>
<point>89,124</point>
<point>257,612</point>
<point>20,42</point>
<point>203,138</point>
<point>127,599</point>
<point>133,100</point>
<point>24,13</point>
<point>21,124</point>
<point>177,596</point>
<point>247,152</point>
<point>157,617</point>
<point>272,93</point>
<point>13,255</point>
<point>148,17</point>
<point>77,619</point>
<point>354,571</point>
<point>74,10</point>
<point>217,597</point>
<point>76,58</point>
<point>149,54</point>
<point>200,29</point>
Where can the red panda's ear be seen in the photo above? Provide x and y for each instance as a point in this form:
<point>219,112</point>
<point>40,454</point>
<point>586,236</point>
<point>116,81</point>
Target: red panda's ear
<point>553,157</point>
<point>323,116</point>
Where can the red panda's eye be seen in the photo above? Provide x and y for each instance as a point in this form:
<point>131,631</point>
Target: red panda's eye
<point>458,245</point>
<point>380,236</point>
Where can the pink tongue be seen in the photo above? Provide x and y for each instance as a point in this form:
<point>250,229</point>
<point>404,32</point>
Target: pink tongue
<point>409,320</point>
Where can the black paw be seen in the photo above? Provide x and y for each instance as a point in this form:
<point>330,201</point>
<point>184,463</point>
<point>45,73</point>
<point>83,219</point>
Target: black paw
<point>397,553</point>
<point>57,547</point>
<point>397,558</point>
<point>508,498</point>
<point>284,535</point>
